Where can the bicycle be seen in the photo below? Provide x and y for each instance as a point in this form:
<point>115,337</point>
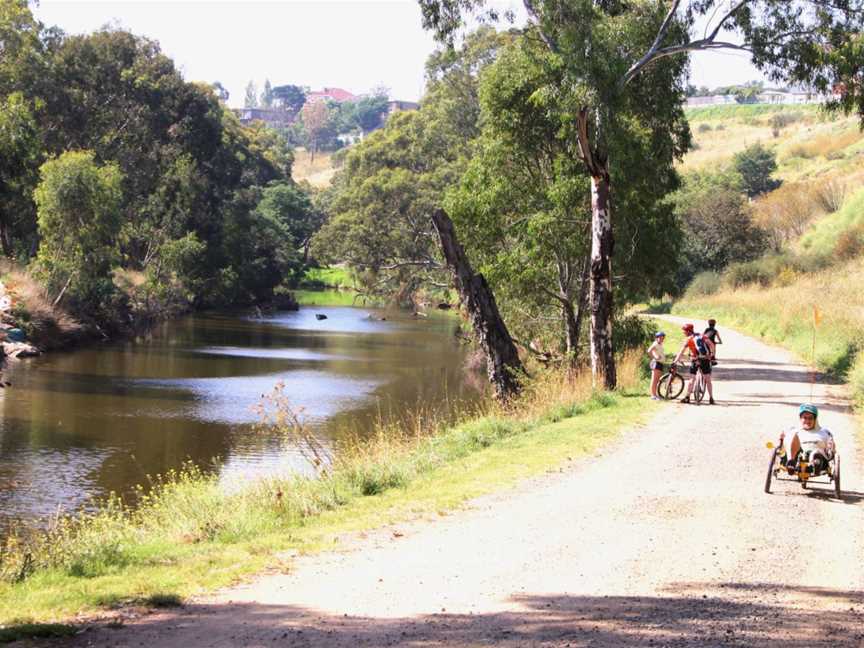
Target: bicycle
<point>699,384</point>
<point>671,384</point>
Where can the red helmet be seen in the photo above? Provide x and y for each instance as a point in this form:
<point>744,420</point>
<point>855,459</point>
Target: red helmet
<point>687,328</point>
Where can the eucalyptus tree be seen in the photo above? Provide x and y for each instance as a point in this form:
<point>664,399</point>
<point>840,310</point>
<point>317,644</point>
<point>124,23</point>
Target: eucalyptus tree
<point>617,54</point>
<point>524,209</point>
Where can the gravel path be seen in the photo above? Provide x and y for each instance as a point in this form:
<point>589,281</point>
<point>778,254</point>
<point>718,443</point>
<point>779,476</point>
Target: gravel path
<point>666,540</point>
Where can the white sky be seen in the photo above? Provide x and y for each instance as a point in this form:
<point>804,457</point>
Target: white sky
<point>357,45</point>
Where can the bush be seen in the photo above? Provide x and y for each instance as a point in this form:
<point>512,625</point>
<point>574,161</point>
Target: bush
<point>705,283</point>
<point>850,243</point>
<point>756,164</point>
<point>704,128</point>
<point>750,272</point>
<point>831,194</point>
<point>631,332</point>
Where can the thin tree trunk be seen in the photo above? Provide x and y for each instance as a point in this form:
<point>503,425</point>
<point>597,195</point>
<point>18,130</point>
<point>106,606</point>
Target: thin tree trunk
<point>5,239</point>
<point>583,295</point>
<point>502,360</point>
<point>602,242</point>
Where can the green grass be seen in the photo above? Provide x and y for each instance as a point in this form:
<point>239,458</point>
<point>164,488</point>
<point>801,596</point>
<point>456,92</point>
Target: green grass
<point>188,536</point>
<point>747,111</point>
<point>329,277</point>
<point>327,298</point>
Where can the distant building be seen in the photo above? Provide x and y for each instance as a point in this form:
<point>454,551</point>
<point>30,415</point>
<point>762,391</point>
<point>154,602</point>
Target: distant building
<point>330,94</point>
<point>764,97</point>
<point>271,116</point>
<point>399,106</point>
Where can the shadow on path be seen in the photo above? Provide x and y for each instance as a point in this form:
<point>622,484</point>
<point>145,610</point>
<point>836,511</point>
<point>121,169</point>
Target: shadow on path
<point>728,614</point>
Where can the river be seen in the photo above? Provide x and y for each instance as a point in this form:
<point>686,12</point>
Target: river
<point>78,425</point>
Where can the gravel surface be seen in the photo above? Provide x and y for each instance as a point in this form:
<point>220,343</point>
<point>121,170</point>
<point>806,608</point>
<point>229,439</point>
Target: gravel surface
<point>666,539</point>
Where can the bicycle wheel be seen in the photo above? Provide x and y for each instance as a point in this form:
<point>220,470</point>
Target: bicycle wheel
<point>837,490</point>
<point>771,469</point>
<point>670,386</point>
<point>699,387</point>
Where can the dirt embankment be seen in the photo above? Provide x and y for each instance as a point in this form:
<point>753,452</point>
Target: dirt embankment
<point>665,539</point>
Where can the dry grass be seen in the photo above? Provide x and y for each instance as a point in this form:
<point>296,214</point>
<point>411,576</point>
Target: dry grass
<point>785,313</point>
<point>45,324</point>
<point>318,172</point>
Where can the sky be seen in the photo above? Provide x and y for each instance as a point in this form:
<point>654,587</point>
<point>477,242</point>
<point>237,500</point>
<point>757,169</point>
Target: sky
<point>358,45</point>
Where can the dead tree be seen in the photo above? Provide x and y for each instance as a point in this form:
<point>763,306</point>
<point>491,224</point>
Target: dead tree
<point>502,360</point>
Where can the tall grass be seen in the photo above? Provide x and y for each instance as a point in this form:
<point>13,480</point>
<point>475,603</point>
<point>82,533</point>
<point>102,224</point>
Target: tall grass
<point>823,235</point>
<point>188,532</point>
<point>785,314</point>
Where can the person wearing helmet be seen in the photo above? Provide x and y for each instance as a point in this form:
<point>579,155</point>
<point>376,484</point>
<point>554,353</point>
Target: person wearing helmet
<point>658,357</point>
<point>700,348</point>
<point>714,335</point>
<point>810,437</point>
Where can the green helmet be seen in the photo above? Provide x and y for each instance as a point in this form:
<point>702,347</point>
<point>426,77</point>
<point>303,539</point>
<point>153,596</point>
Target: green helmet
<point>809,407</point>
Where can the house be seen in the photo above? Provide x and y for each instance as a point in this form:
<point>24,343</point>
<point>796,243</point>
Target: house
<point>272,117</point>
<point>330,94</point>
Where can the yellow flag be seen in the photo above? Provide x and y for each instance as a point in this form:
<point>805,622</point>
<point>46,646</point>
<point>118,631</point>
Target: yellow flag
<point>817,317</point>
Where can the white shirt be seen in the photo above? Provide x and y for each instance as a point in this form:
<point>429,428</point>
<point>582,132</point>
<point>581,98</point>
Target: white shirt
<point>816,439</point>
<point>655,351</point>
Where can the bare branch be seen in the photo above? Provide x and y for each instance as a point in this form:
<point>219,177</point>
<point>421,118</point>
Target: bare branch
<point>656,52</point>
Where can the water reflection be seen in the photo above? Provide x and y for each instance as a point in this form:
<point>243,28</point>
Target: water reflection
<point>85,423</point>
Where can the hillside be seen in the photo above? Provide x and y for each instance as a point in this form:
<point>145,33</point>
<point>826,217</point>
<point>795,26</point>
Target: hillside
<point>804,294</point>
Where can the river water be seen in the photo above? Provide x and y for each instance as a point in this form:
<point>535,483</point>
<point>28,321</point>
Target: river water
<point>78,425</point>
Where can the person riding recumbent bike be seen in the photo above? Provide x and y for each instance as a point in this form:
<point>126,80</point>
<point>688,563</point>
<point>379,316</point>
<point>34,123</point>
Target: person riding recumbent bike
<point>804,452</point>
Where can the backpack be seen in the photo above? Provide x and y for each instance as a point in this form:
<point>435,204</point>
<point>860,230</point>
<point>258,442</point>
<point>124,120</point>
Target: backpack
<point>701,345</point>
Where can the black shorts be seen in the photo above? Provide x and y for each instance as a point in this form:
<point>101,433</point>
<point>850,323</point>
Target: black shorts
<point>704,364</point>
<point>656,364</point>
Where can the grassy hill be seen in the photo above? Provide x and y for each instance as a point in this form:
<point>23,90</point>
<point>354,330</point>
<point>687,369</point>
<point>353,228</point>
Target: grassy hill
<point>807,296</point>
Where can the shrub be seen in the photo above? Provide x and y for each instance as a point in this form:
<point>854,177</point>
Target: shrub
<point>704,128</point>
<point>750,272</point>
<point>705,283</point>
<point>631,332</point>
<point>831,194</point>
<point>850,243</point>
<point>756,164</point>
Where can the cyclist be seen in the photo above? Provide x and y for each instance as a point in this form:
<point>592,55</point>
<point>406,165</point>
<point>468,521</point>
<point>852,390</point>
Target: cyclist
<point>658,357</point>
<point>713,335</point>
<point>810,437</point>
<point>701,348</point>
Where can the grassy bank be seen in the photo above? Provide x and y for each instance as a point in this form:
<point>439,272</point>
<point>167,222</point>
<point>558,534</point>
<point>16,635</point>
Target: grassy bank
<point>784,315</point>
<point>189,535</point>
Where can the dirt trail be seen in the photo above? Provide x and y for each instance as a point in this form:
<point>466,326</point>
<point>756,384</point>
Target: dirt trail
<point>667,539</point>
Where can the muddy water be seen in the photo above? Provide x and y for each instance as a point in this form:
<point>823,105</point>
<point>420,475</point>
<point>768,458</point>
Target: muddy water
<point>82,424</point>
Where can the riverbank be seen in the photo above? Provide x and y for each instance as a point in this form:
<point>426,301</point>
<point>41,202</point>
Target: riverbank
<point>189,536</point>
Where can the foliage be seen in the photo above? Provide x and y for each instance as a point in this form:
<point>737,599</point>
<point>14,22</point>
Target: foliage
<point>78,208</point>
<point>755,164</point>
<point>382,196</point>
<point>717,224</point>
<point>289,97</point>
<point>192,175</point>
<point>705,283</point>
<point>19,157</point>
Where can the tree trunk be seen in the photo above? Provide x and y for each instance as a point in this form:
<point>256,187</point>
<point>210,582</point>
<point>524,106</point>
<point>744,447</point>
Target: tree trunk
<point>5,239</point>
<point>582,305</point>
<point>502,360</point>
<point>602,354</point>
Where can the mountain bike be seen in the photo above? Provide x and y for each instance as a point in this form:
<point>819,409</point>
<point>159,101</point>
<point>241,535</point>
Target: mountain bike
<point>671,384</point>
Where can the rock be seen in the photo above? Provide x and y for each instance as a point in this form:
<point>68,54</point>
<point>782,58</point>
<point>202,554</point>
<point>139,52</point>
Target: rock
<point>320,316</point>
